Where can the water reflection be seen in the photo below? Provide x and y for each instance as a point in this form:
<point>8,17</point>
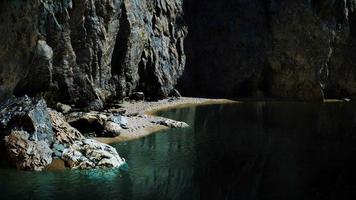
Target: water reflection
<point>261,151</point>
<point>242,151</point>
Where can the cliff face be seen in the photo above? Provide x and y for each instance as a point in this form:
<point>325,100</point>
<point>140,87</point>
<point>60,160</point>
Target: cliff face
<point>86,51</point>
<point>290,49</point>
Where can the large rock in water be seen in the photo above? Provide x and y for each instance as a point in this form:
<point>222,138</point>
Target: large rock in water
<point>89,154</point>
<point>85,51</point>
<point>26,153</point>
<point>29,114</point>
<point>26,126</point>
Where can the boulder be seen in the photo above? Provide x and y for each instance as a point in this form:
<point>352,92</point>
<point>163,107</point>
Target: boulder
<point>26,153</point>
<point>28,114</point>
<point>119,119</point>
<point>64,133</point>
<point>89,154</point>
<point>90,122</point>
<point>111,129</point>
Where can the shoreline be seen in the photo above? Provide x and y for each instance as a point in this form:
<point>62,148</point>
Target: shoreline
<point>141,114</point>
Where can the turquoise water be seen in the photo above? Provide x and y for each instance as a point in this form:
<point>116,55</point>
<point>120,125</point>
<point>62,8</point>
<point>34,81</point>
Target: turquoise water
<point>239,151</point>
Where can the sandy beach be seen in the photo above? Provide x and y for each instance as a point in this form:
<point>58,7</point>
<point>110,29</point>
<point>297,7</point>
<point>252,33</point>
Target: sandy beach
<point>141,115</point>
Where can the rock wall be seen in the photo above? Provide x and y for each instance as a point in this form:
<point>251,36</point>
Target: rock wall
<point>87,51</point>
<point>275,48</point>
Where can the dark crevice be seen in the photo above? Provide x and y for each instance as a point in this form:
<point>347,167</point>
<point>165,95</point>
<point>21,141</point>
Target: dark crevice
<point>119,53</point>
<point>121,47</point>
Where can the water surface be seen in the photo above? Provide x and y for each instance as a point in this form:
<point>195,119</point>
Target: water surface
<point>238,151</point>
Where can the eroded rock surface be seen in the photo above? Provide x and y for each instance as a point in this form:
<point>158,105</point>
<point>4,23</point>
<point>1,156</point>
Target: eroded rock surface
<point>100,124</point>
<point>89,154</point>
<point>28,154</point>
<point>26,128</point>
<point>84,51</point>
<point>29,114</point>
<point>63,132</point>
<point>33,134</point>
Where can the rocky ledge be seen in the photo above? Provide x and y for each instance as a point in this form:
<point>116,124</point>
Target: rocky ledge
<point>34,135</point>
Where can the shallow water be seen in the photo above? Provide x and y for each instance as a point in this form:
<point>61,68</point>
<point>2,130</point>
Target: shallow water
<point>239,151</point>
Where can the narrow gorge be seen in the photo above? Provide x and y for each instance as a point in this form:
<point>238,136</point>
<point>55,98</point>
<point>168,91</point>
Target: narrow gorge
<point>91,52</point>
<point>250,94</point>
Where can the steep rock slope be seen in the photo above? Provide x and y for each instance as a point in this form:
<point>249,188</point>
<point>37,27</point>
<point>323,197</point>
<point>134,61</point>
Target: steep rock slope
<point>276,48</point>
<point>86,51</point>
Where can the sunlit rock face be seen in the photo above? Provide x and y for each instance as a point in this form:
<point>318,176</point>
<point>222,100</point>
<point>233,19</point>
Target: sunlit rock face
<point>84,52</point>
<point>289,49</point>
<point>149,53</point>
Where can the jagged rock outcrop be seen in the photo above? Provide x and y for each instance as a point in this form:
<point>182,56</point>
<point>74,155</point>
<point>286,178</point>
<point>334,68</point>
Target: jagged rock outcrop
<point>26,153</point>
<point>89,154</point>
<point>26,128</point>
<point>99,124</point>
<point>151,37</point>
<point>33,134</point>
<point>28,114</point>
<point>86,51</point>
<point>64,133</point>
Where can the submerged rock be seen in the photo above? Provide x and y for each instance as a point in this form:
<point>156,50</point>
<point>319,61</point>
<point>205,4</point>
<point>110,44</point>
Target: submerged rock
<point>26,153</point>
<point>89,154</point>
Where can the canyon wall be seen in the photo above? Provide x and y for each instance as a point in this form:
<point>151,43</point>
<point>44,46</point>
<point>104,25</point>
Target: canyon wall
<point>87,51</point>
<point>270,48</point>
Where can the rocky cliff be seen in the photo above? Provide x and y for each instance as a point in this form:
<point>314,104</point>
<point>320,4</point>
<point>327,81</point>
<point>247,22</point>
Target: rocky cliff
<point>87,51</point>
<point>276,48</point>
